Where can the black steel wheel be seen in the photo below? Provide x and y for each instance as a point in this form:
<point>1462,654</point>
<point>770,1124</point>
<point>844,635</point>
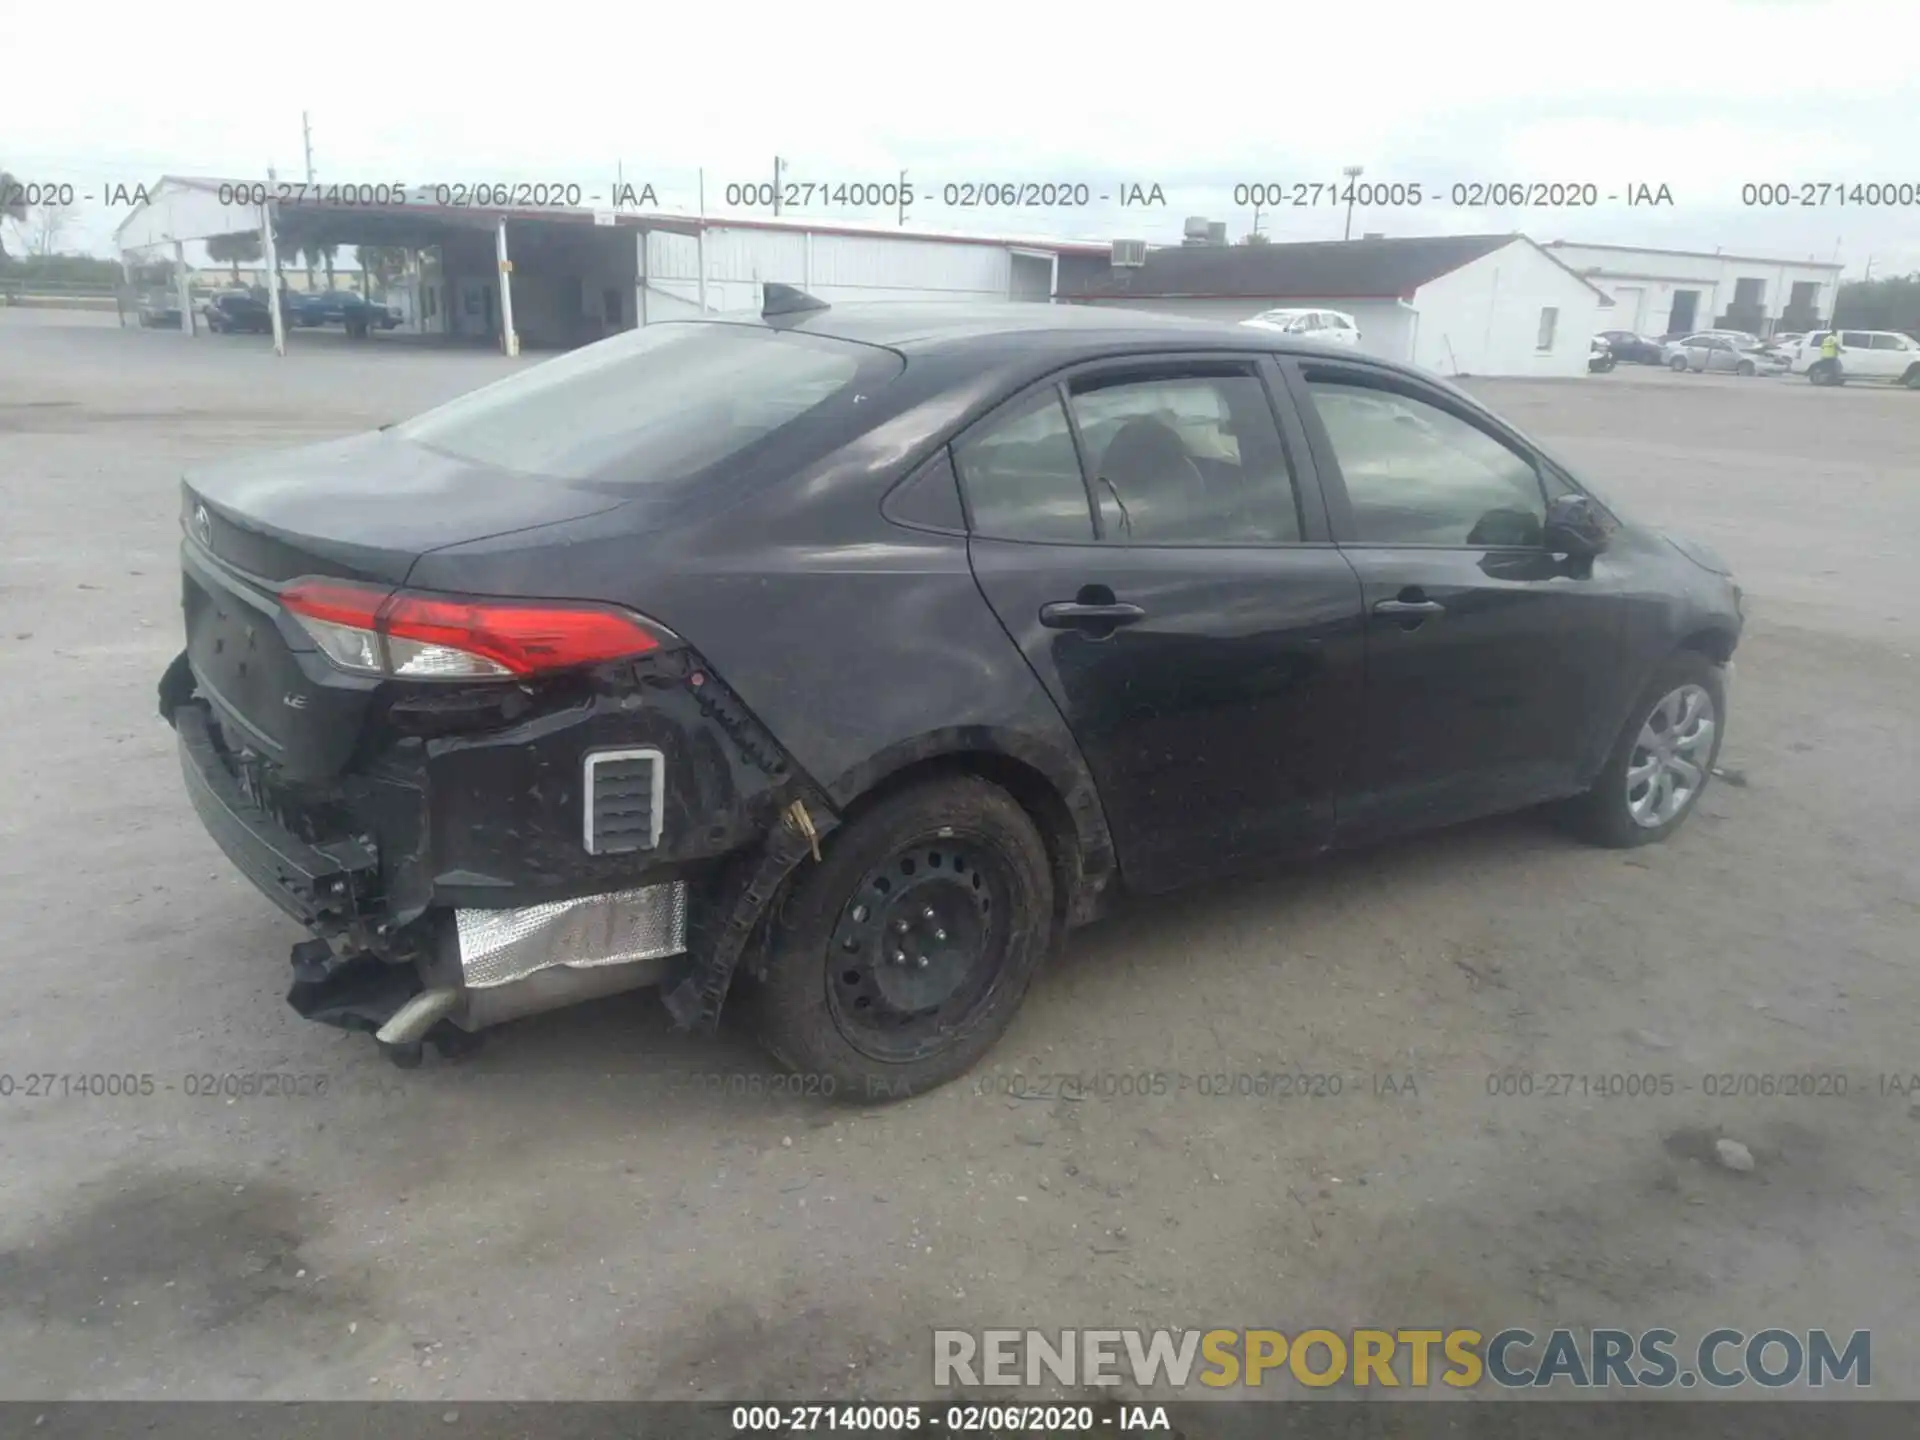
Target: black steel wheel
<point>900,959</point>
<point>918,946</point>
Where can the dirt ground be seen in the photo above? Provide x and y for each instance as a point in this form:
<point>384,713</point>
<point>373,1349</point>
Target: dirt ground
<point>581,1211</point>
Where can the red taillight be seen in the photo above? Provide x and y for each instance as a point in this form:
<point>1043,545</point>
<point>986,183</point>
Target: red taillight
<point>375,631</point>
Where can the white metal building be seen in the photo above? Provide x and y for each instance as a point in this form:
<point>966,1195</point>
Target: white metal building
<point>1662,292</point>
<point>1454,304</point>
<point>842,264</point>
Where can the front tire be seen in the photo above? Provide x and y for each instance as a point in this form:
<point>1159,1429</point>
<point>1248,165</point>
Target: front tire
<point>1678,364</point>
<point>1747,367</point>
<point>1662,760</point>
<point>899,960</point>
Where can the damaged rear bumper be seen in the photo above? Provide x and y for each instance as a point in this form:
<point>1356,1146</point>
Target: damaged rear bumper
<point>423,931</point>
<point>318,885</point>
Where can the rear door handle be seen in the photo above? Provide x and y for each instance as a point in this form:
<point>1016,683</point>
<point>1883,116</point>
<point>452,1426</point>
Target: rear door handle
<point>1409,607</point>
<point>1070,614</point>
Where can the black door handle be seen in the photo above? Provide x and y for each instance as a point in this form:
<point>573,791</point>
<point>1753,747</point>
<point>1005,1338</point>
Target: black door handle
<point>1409,607</point>
<point>1072,614</point>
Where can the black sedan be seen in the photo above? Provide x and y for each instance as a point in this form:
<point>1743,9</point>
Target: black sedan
<point>1631,349</point>
<point>841,659</point>
<point>343,307</point>
<point>240,312</point>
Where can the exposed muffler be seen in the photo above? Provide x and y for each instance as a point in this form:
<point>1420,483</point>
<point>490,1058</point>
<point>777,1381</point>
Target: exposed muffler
<point>492,966</point>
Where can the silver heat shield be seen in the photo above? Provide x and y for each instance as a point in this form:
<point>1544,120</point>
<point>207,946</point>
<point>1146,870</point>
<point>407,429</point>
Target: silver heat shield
<point>499,946</point>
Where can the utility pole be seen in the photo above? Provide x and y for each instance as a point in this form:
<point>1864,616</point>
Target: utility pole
<point>903,199</point>
<point>1353,173</point>
<point>306,144</point>
<point>1256,219</point>
<point>776,184</point>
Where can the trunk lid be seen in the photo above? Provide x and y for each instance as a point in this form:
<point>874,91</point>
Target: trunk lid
<point>365,508</point>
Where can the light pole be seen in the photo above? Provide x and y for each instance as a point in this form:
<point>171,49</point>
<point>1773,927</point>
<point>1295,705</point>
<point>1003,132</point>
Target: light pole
<point>1353,173</point>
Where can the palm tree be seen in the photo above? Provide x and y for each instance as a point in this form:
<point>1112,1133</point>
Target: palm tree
<point>241,248</point>
<point>384,264</point>
<point>311,253</point>
<point>12,206</point>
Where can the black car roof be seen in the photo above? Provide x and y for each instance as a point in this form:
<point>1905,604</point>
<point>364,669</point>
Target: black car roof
<point>958,325</point>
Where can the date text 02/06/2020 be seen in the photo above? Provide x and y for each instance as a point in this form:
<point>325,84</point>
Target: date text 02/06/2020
<point>1461,194</point>
<point>963,1419</point>
<point>1058,194</point>
<point>446,195</point>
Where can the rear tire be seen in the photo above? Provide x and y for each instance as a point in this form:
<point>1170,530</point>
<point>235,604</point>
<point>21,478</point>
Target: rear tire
<point>1619,813</point>
<point>899,960</point>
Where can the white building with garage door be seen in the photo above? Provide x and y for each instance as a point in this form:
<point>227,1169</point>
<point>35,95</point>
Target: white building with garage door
<point>1455,304</point>
<point>1675,292</point>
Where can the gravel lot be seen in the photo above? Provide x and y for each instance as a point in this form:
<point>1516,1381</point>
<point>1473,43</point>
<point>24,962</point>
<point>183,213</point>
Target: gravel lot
<point>575,1213</point>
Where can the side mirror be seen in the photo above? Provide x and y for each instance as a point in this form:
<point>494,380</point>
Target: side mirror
<point>1574,526</point>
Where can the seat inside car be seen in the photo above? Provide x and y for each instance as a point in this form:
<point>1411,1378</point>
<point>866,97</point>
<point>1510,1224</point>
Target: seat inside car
<point>1147,471</point>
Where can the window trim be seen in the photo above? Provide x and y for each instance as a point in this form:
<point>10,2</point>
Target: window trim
<point>917,474</point>
<point>1310,501</point>
<point>1334,481</point>
<point>1164,365</point>
<point>997,414</point>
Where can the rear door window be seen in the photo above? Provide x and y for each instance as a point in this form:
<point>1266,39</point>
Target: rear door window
<point>1192,459</point>
<point>663,403</point>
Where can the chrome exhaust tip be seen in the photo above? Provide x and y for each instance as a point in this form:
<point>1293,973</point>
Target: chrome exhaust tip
<point>400,1037</point>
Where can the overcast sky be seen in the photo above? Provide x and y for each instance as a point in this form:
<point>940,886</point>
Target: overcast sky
<point>1702,96</point>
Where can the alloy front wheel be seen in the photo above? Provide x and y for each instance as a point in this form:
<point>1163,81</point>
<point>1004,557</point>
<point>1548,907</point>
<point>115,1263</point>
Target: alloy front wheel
<point>1661,762</point>
<point>1671,756</point>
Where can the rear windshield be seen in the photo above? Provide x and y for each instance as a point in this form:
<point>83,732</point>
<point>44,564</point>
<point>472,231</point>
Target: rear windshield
<point>659,403</point>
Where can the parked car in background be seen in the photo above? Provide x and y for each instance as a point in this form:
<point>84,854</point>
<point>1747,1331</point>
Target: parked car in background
<point>1864,355</point>
<point>160,311</point>
<point>1745,337</point>
<point>1600,356</point>
<point>243,312</point>
<point>342,307</point>
<point>489,701</point>
<point>1630,348</point>
<point>1335,326</point>
<point>1721,353</point>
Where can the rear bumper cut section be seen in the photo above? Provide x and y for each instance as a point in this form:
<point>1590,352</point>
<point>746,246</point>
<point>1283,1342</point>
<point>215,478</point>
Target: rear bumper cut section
<point>487,955</point>
<point>509,859</point>
<point>321,886</point>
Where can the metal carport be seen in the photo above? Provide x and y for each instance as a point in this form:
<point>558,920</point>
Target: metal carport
<point>183,208</point>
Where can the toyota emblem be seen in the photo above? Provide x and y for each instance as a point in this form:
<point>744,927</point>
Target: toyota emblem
<point>203,526</point>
